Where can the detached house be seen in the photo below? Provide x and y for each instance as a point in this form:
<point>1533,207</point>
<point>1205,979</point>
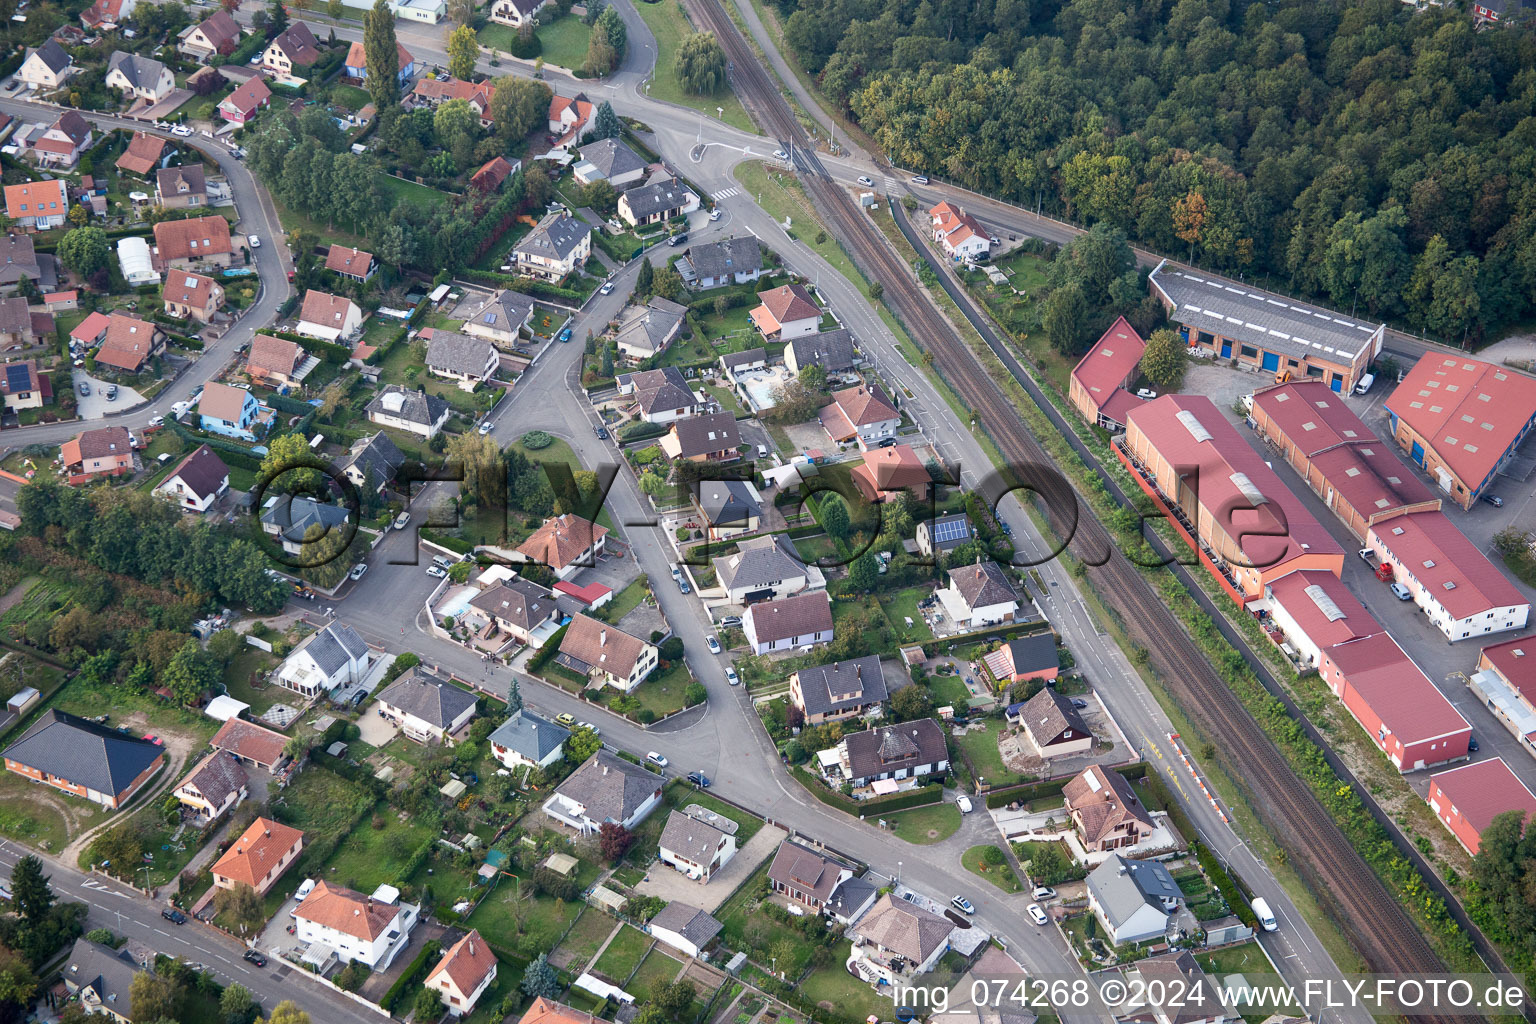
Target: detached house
<point>101,978</point>
<point>230,411</point>
<point>454,356</point>
<point>415,411</point>
<point>328,317</point>
<point>372,462</point>
<point>606,788</point>
<point>21,386</point>
<point>199,241</point>
<point>979,595</point>
<point>788,623</point>
<point>833,351</point>
<point>37,205</point>
<point>886,758</point>
<point>806,876</point>
<point>1024,658</point>
<point>729,507</point>
<point>46,67</point>
<point>64,141</point>
<point>197,482</point>
<point>84,759</point>
<point>143,78</point>
<point>606,654</point>
<point>493,173</point>
<point>656,202</point>
<point>568,118</point>
<point>786,312</point>
<point>292,51</point>
<point>566,544</point>
<point>897,939</point>
<point>106,451</point>
<point>1053,725</point>
<point>216,785</point>
<point>554,249</point>
<point>289,519</point>
<point>275,362</point>
<point>217,35</point>
<point>352,263</point>
<point>646,331</point>
<point>959,234</point>
<point>357,63</point>
<point>248,100</point>
<point>501,320</point>
<point>461,977</point>
<point>886,472</point>
<point>16,328</point>
<point>192,296</point>
<point>259,857</point>
<point>106,15</point>
<point>180,188</point>
<point>143,155</point>
<point>334,656</point>
<point>733,261</point>
<point>369,929</point>
<point>712,437</point>
<point>764,568</point>
<point>519,608</point>
<point>527,738</point>
<point>129,343</point>
<point>684,928</point>
<point>840,690</point>
<point>862,414</point>
<point>1133,899</point>
<point>18,259</point>
<point>427,709</point>
<point>1106,811</point>
<point>663,395</point>
<point>516,13</point>
<point>697,841</point>
<point>608,160</point>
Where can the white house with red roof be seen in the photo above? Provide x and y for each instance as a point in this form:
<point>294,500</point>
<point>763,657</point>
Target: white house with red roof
<point>861,414</point>
<point>104,15</point>
<point>372,929</point>
<point>1463,593</point>
<point>248,99</point>
<point>64,141</point>
<point>959,234</point>
<point>467,969</point>
<point>1467,799</point>
<point>1100,383</point>
<point>568,116</point>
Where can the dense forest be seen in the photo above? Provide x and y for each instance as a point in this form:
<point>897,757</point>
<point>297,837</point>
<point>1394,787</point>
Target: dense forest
<point>1374,156</point>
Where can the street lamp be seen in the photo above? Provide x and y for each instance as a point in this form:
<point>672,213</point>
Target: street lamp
<point>720,112</point>
<point>898,872</point>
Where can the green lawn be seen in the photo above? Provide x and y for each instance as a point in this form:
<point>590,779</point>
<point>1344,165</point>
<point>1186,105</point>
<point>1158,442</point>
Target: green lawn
<point>948,690</point>
<point>41,816</point>
<point>623,954</point>
<point>237,681</point>
<point>735,324</point>
<point>321,803</point>
<point>746,929</point>
<point>350,96</point>
<point>926,825</point>
<point>371,856</point>
<point>901,606</point>
<point>833,985</point>
<point>670,26</point>
<point>562,42</point>
<point>813,549</point>
<point>558,451</point>
<point>625,601</point>
<point>586,935</point>
<point>401,191</point>
<point>654,974</point>
<point>543,920</point>
<point>981,747</point>
<point>1001,875</point>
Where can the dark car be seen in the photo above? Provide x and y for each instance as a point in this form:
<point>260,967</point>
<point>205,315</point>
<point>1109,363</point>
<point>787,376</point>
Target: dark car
<point>565,335</point>
<point>1079,703</point>
<point>173,915</point>
<point>1472,744</point>
<point>602,435</point>
<point>1494,500</point>
<point>699,779</point>
<point>252,957</point>
<point>887,442</point>
<point>678,239</point>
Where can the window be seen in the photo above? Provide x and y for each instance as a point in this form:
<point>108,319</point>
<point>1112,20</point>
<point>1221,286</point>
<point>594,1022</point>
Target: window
<point>1248,351</point>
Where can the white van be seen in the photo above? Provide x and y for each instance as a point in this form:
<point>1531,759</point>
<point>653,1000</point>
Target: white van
<point>1366,383</point>
<point>1264,914</point>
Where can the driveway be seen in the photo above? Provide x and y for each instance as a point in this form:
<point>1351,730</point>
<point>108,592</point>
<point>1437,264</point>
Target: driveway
<point>666,882</point>
<point>95,405</point>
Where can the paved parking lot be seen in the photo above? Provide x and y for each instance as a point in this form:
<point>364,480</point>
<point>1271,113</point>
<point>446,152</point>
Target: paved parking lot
<point>95,405</point>
<point>666,882</point>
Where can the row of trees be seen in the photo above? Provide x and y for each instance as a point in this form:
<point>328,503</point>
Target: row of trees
<point>1368,154</point>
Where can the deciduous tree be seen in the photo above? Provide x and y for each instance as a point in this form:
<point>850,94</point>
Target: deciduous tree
<point>701,64</point>
<point>463,51</point>
<point>1165,359</point>
<point>383,56</point>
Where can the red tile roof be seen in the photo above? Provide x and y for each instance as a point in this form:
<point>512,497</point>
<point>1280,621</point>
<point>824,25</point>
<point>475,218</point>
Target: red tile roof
<point>561,540</point>
<point>128,341</point>
<point>1396,689</point>
<point>1314,599</point>
<point>348,261</point>
<point>1516,662</point>
<point>142,155</point>
<point>466,962</point>
<point>865,405</point>
<point>343,910</point>
<point>258,849</point>
<point>1192,434</point>
<point>189,289</point>
<point>1468,411</point>
<point>91,328</point>
<point>1482,791</point>
<point>193,238</point>
<point>790,302</point>
<point>1450,567</point>
<point>1311,415</point>
<point>36,199</point>
<point>357,56</point>
<point>248,97</point>
<point>250,741</point>
<point>886,471</point>
<point>1113,358</point>
<point>588,595</point>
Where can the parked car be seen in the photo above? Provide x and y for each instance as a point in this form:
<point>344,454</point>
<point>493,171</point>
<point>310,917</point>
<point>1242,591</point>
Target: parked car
<point>682,585</point>
<point>731,677</point>
<point>887,442</point>
<point>964,803</point>
<point>485,428</point>
<point>962,904</point>
<point>712,644</point>
<point>111,392</point>
<point>699,779</point>
<point>606,289</point>
<point>250,956</point>
<point>1494,500</point>
<point>678,239</point>
<point>173,915</point>
<point>1471,744</point>
<point>157,421</point>
<point>566,720</point>
<point>304,890</point>
<point>919,179</point>
<point>565,335</point>
<point>866,180</point>
<point>1036,914</point>
<point>594,730</point>
<point>255,241</point>
<point>1079,703</point>
<point>1043,892</point>
<point>1401,592</point>
<point>602,434</point>
<point>85,388</point>
<point>402,520</point>
<point>358,570</point>
<point>762,451</point>
<point>181,131</point>
<point>656,759</point>
<point>730,621</point>
<point>435,572</point>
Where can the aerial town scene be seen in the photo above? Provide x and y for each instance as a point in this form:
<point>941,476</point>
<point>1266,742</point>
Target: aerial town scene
<point>767,511</point>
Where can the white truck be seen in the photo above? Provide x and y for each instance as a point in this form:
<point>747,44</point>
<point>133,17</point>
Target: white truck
<point>1264,914</point>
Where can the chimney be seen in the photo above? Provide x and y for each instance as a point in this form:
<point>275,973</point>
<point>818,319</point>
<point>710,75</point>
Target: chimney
<point>1123,868</point>
<point>602,638</point>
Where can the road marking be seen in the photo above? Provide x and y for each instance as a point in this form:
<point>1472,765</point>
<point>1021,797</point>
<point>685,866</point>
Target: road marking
<point>157,931</point>
<point>727,193</point>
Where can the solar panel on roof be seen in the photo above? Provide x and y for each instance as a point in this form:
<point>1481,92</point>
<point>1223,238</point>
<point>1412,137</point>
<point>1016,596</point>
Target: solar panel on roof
<point>953,529</point>
<point>17,378</point>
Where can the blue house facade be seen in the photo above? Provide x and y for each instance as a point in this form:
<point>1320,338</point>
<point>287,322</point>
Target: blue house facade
<point>357,64</point>
<point>229,411</point>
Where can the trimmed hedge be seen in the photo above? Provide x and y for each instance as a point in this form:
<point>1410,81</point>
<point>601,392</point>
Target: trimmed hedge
<point>920,797</point>
<point>541,657</point>
<point>526,285</point>
<point>463,547</point>
<point>642,431</point>
<point>412,974</point>
<point>1036,790</point>
<point>1233,891</point>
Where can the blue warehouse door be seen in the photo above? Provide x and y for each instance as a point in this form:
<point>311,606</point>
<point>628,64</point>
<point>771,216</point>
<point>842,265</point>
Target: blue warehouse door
<point>1271,361</point>
<point>1418,453</point>
<point>1226,350</point>
<point>1338,382</point>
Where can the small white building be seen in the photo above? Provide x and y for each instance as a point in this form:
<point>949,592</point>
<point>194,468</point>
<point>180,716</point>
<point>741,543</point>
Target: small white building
<point>684,928</point>
<point>334,656</point>
<point>528,739</point>
<point>979,595</point>
<point>328,317</point>
<point>350,926</point>
<point>467,969</point>
<point>698,842</point>
<point>197,482</point>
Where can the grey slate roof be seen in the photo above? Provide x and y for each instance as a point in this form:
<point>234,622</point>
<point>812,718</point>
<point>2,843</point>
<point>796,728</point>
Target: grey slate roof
<point>797,867</point>
<point>609,787</point>
<point>983,584</point>
<point>727,501</point>
<point>611,157</point>
<point>657,197</point>
<point>689,922</point>
<point>732,256</point>
<point>1143,883</point>
<point>106,971</point>
<point>203,472</point>
<point>692,837</point>
<point>333,647</point>
<point>651,327</point>
<point>18,258</point>
<point>830,350</point>
<point>458,353</point>
<point>904,928</point>
<point>141,72</point>
<point>217,777</point>
<point>504,311</point>
<point>829,689</point>
<point>531,736</point>
<point>293,516</point>
<point>1273,322</point>
<point>1033,653</point>
<point>757,563</point>
<point>746,357</point>
<point>435,701</point>
<point>521,602</point>
<point>83,752</point>
<point>414,406</point>
<point>376,458</point>
<point>850,895</point>
<point>1048,714</point>
<point>168,180</point>
<point>889,748</point>
<point>702,435</point>
<point>556,236</point>
<point>665,388</point>
<point>53,55</point>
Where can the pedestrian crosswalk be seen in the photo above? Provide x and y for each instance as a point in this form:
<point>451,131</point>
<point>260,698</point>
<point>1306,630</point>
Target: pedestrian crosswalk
<point>727,193</point>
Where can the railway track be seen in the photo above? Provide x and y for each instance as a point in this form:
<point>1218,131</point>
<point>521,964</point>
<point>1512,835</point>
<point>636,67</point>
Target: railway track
<point>1386,937</point>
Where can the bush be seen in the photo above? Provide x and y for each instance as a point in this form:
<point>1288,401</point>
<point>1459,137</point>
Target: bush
<point>425,959</point>
<point>536,440</point>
